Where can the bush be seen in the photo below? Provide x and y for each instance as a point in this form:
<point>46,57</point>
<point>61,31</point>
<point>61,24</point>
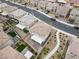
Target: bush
<point>13,34</point>
<point>25,30</point>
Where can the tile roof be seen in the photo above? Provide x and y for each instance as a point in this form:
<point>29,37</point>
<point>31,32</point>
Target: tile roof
<point>41,29</point>
<point>28,20</point>
<point>2,5</point>
<point>10,53</point>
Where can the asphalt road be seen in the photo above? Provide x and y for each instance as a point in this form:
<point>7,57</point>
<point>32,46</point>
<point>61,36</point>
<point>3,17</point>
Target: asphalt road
<point>56,24</point>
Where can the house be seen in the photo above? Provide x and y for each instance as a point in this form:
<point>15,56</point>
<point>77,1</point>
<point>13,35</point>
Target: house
<point>73,49</point>
<point>8,9</point>
<point>17,13</point>
<point>74,16</point>
<point>42,4</point>
<point>34,2</point>
<point>52,7</point>
<point>38,36</point>
<point>62,10</point>
<point>9,53</point>
<point>75,2</point>
<point>27,20</point>
<point>2,5</point>
<point>40,32</point>
<point>25,2</point>
<point>5,40</point>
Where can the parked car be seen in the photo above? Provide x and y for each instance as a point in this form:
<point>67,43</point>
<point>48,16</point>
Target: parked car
<point>76,27</point>
<point>53,19</point>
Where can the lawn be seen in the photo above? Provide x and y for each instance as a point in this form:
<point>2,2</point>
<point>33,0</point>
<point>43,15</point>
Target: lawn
<point>20,48</point>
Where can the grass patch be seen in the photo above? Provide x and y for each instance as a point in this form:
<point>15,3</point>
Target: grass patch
<point>20,47</point>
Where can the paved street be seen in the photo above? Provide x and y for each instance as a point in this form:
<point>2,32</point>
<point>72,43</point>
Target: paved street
<point>48,20</point>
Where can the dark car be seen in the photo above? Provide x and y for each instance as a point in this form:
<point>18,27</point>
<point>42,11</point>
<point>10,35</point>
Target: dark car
<point>76,27</point>
<point>53,19</point>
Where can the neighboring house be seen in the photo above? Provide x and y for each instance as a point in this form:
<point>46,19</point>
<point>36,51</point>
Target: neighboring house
<point>74,16</point>
<point>25,1</point>
<point>62,10</point>
<point>34,2</point>
<point>27,20</point>
<point>75,2</point>
<point>73,49</point>
<point>9,53</point>
<point>8,9</point>
<point>18,13</point>
<point>42,4</point>
<point>52,7</point>
<point>5,40</point>
<point>40,32</point>
<point>2,5</point>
